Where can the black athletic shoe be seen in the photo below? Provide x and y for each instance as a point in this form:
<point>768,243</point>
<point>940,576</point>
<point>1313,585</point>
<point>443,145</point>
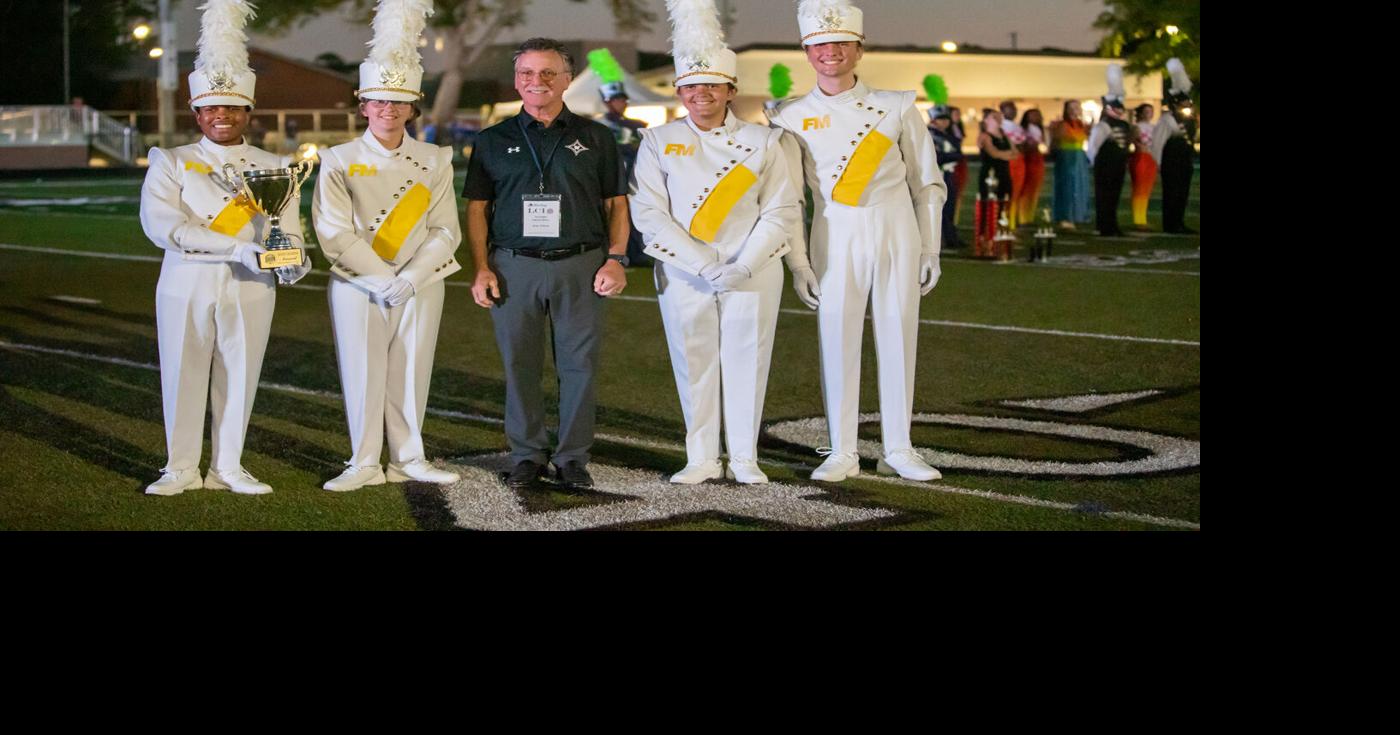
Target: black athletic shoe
<point>575,475</point>
<point>525,474</point>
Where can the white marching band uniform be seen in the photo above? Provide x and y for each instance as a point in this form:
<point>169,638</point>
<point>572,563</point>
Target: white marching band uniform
<point>381,214</point>
<point>702,199</point>
<point>213,308</point>
<point>210,309</point>
<point>878,192</point>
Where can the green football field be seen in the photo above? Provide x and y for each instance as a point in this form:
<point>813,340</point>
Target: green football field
<point>1063,395</point>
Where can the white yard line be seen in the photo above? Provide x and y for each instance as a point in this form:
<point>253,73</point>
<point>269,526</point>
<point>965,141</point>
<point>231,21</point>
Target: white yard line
<point>653,444</point>
<point>652,299</point>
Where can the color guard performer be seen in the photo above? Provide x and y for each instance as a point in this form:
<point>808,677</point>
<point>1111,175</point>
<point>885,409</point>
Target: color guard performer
<point>878,192</point>
<point>715,201</point>
<point>214,302</point>
<point>386,215</point>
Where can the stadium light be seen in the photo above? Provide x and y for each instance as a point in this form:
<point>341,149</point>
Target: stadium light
<point>1172,30</point>
<point>950,47</point>
<point>140,32</point>
<point>156,52</point>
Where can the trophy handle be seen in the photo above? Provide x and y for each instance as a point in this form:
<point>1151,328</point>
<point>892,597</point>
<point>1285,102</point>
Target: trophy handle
<point>301,171</point>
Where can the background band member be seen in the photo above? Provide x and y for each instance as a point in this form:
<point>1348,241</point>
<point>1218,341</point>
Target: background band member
<point>386,215</point>
<point>1172,146</point>
<point>714,198</point>
<point>214,302</point>
<point>879,194</point>
<point>949,150</point>
<point>1107,149</point>
<point>546,189</point>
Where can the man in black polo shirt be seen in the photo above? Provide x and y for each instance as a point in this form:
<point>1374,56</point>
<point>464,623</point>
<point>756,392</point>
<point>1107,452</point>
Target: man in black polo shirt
<point>547,190</point>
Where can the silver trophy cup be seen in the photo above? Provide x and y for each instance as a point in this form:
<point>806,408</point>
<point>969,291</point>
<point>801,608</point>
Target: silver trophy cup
<point>270,190</point>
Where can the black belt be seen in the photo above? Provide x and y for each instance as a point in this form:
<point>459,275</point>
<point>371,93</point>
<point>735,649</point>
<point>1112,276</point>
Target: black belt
<point>556,253</point>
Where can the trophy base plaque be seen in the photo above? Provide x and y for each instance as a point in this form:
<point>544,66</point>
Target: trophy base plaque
<point>280,257</point>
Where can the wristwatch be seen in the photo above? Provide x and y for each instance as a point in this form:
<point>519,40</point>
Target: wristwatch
<point>620,259</point>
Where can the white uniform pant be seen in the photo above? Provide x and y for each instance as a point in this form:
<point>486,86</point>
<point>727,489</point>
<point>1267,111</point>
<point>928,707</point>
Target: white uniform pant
<point>868,255</point>
<point>212,319</point>
<point>721,345</point>
<point>385,356</point>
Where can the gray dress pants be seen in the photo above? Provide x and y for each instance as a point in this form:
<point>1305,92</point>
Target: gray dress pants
<point>557,294</point>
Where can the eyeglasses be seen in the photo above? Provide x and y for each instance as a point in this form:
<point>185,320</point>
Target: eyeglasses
<point>546,76</point>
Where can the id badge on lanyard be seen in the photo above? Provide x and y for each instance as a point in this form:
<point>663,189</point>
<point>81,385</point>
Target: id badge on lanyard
<point>540,213</point>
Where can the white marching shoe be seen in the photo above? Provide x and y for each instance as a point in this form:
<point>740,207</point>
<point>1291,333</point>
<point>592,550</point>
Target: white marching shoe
<point>354,478</point>
<point>174,482</point>
<point>837,467</point>
<point>420,471</point>
<point>907,464</point>
<point>698,472</point>
<point>745,471</point>
<point>238,481</point>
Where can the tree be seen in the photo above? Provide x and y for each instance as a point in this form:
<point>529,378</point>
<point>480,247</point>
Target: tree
<point>1137,31</point>
<point>100,43</point>
<point>467,27</point>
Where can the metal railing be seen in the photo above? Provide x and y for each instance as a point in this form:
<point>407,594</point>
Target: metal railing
<point>62,125</point>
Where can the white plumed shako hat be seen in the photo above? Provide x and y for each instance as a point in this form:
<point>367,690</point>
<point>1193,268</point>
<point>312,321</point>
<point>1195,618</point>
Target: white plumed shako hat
<point>394,69</point>
<point>697,44</point>
<point>828,21</point>
<point>221,73</point>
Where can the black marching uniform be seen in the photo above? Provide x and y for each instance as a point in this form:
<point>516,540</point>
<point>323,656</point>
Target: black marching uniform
<point>1110,171</point>
<point>949,150</point>
<point>1001,167</point>
<point>1177,166</point>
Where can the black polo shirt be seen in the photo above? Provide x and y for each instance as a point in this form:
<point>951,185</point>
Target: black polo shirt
<point>585,169</point>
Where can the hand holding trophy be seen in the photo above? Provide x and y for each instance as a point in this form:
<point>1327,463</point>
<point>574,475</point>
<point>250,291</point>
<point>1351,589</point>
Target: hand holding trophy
<point>270,190</point>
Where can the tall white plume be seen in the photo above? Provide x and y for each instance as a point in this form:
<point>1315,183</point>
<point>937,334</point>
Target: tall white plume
<point>816,8</point>
<point>695,29</point>
<point>397,26</point>
<point>223,46</point>
<point>1181,83</point>
<point>1115,81</point>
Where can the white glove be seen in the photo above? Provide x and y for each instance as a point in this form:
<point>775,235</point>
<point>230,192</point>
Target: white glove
<point>289,274</point>
<point>246,254</point>
<point>397,291</point>
<point>728,277</point>
<point>929,271</point>
<point>804,282</point>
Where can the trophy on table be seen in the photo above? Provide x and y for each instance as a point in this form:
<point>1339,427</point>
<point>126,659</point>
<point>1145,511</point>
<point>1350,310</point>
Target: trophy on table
<point>270,190</point>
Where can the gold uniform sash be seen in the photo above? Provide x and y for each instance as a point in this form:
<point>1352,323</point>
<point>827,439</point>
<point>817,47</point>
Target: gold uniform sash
<point>864,163</point>
<point>401,221</point>
<point>707,221</point>
<point>235,216</point>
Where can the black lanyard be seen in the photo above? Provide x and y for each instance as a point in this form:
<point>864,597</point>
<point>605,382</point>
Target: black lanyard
<point>536,156</point>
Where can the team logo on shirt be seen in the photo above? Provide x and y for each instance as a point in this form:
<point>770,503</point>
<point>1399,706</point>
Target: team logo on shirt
<point>816,123</point>
<point>513,149</point>
<point>360,169</point>
<point>676,149</point>
<point>577,147</point>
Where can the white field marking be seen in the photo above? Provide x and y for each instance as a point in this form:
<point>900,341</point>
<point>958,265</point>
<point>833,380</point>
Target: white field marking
<point>652,299</point>
<point>480,500</point>
<point>1080,403</point>
<point>76,182</point>
<point>68,214</point>
<point>1061,266</point>
<point>1165,453</point>
<point>76,300</point>
<point>80,253</point>
<point>653,444</point>
<point>69,202</point>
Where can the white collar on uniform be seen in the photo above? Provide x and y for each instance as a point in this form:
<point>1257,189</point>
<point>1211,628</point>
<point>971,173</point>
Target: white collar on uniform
<point>730,124</point>
<point>373,144</point>
<point>222,153</point>
<point>855,94</point>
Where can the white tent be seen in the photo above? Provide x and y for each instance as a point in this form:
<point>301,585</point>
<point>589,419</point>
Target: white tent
<point>583,95</point>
